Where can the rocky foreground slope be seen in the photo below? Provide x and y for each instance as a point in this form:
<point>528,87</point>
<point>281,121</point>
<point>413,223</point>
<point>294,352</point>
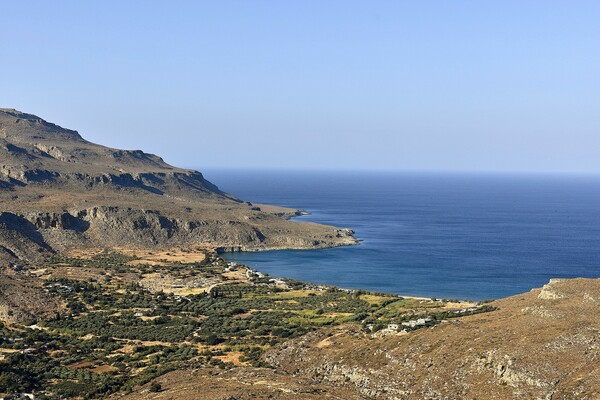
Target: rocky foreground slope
<point>544,344</point>
<point>59,191</point>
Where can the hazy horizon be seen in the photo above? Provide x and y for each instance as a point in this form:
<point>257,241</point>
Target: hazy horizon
<point>349,170</point>
<point>510,87</point>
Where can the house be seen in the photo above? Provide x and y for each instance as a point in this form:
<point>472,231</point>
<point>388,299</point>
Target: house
<point>417,322</point>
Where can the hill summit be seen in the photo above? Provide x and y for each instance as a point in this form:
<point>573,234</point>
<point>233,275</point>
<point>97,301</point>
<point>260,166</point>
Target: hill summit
<point>59,191</point>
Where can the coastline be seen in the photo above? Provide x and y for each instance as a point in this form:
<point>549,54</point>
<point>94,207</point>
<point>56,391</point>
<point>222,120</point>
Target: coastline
<point>257,269</point>
<point>324,286</point>
<point>421,239</point>
<point>340,238</point>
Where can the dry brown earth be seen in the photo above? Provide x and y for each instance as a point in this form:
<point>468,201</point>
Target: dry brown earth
<point>544,344</point>
<point>22,298</point>
<point>243,383</point>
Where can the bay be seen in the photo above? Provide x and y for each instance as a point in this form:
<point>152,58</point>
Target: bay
<point>444,235</point>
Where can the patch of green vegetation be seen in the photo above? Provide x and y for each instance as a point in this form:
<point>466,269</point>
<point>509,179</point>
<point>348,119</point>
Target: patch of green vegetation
<point>116,336</point>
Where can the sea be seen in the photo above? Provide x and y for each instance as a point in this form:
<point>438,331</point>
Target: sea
<point>443,235</point>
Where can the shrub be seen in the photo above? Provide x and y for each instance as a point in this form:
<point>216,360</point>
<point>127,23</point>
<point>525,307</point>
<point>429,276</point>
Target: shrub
<point>155,387</point>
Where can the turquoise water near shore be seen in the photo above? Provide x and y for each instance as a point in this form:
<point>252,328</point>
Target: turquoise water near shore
<point>474,236</point>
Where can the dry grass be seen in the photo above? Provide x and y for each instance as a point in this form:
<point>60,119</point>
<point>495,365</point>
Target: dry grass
<point>237,275</point>
<point>162,257</point>
<point>290,295</point>
<point>102,369</point>
<point>328,341</point>
<point>462,304</point>
<point>80,365</point>
<point>189,291</point>
<point>374,299</point>
<point>232,357</point>
<point>165,257</point>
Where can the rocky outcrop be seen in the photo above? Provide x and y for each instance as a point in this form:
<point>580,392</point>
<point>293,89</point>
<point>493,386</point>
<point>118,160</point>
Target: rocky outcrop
<point>20,239</point>
<point>116,226</point>
<point>23,300</point>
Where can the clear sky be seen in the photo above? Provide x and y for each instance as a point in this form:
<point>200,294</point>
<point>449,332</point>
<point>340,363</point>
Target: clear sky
<point>434,85</point>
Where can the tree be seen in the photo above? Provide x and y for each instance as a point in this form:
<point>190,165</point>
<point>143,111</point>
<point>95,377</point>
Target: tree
<point>212,339</point>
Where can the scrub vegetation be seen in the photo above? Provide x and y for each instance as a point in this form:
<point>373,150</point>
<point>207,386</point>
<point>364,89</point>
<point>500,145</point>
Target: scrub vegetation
<point>124,324</point>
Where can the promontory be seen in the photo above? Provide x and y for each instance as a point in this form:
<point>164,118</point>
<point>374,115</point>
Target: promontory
<point>60,192</point>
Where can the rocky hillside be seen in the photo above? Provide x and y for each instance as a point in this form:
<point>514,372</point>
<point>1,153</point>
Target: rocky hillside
<point>35,151</point>
<point>23,300</point>
<point>544,344</point>
<point>59,191</point>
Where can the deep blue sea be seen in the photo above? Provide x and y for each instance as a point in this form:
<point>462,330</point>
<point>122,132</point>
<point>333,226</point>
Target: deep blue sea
<point>469,236</point>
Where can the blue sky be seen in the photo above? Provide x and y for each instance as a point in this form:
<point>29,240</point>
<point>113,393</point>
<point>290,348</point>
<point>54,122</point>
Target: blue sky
<point>437,85</point>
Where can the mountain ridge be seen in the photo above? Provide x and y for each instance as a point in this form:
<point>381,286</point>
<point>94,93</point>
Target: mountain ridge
<point>75,193</point>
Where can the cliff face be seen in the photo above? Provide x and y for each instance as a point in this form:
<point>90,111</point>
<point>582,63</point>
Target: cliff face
<point>544,344</point>
<point>58,190</point>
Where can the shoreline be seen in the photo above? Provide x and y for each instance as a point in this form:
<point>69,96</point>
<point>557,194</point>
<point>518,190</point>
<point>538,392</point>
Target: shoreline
<point>413,297</point>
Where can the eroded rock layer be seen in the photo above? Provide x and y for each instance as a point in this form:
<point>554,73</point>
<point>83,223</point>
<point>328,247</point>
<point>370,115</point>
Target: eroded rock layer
<point>59,191</point>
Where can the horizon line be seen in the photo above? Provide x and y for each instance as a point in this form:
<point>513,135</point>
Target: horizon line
<point>398,170</point>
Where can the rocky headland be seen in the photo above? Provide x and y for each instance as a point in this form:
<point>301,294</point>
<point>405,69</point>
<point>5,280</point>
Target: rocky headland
<point>59,192</point>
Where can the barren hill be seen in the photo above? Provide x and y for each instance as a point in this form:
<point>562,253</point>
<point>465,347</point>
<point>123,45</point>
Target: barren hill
<point>544,344</point>
<point>59,191</point>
